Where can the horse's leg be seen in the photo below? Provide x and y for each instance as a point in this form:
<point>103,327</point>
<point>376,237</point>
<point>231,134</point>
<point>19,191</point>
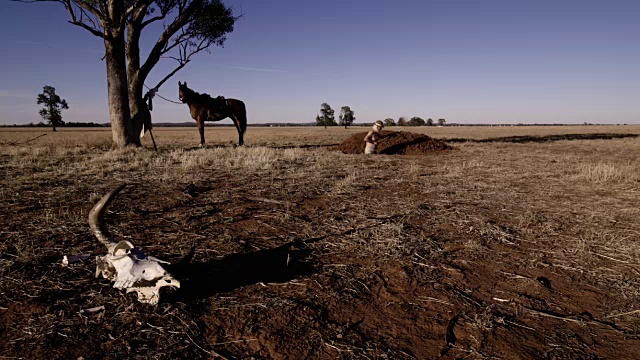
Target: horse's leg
<point>200,122</point>
<point>243,126</point>
<point>240,120</point>
<point>236,122</point>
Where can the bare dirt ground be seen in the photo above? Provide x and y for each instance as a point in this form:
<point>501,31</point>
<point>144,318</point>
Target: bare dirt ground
<point>511,250</point>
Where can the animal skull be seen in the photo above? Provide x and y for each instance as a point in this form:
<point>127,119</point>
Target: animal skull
<point>124,264</point>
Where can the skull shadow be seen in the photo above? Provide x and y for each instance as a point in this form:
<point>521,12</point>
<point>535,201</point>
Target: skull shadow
<point>201,280</point>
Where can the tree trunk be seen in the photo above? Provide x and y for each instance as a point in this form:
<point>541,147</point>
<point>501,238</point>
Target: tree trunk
<point>119,110</point>
<point>136,102</point>
<point>53,120</point>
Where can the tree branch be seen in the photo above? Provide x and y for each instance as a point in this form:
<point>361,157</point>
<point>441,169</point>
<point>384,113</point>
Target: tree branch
<point>87,27</point>
<point>74,20</point>
<point>139,7</point>
<point>182,64</point>
<point>185,58</point>
<point>82,15</point>
<point>154,19</point>
<point>178,41</point>
<point>156,52</point>
<point>103,6</point>
<point>85,5</point>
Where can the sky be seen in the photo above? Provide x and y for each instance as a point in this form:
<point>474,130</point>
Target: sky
<point>468,61</point>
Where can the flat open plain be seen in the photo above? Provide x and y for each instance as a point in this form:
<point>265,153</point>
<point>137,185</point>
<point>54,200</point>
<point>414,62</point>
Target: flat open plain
<point>514,249</point>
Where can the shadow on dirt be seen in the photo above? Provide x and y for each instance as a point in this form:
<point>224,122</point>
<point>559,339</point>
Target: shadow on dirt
<point>547,138</point>
<point>400,147</point>
<point>280,147</point>
<point>205,279</point>
<point>305,146</point>
<point>211,146</point>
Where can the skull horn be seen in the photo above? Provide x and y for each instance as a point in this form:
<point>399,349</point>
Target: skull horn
<point>95,217</point>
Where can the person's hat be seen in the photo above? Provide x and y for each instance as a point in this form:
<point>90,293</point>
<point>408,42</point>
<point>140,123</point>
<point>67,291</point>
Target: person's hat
<point>379,123</point>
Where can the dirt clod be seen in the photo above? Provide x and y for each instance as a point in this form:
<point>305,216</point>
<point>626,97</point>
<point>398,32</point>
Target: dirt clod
<point>395,143</point>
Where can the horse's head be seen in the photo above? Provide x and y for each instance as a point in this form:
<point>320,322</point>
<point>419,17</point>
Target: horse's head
<point>183,91</point>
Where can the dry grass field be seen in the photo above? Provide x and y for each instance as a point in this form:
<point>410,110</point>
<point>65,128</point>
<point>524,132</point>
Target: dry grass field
<point>493,250</point>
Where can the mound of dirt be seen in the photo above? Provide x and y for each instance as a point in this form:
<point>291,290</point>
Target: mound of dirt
<point>395,143</point>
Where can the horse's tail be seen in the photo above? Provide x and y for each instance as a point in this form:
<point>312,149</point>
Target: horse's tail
<point>240,113</point>
<point>243,124</point>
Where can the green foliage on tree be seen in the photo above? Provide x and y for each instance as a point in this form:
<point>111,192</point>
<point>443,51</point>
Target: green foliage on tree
<point>52,112</point>
<point>389,122</point>
<point>402,121</point>
<point>326,117</point>
<point>429,122</point>
<point>347,116</point>
<point>416,121</point>
<point>441,122</point>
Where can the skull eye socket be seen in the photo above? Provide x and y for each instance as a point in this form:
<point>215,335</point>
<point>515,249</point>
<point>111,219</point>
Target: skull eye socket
<point>167,281</point>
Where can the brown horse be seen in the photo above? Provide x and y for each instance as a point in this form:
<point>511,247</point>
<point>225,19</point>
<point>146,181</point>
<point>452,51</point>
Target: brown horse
<point>205,108</point>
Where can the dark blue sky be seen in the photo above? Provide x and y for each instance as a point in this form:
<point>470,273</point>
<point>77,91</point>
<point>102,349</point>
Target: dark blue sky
<point>502,61</point>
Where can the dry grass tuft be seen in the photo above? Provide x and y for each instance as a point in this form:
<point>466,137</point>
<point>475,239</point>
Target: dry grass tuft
<point>608,173</point>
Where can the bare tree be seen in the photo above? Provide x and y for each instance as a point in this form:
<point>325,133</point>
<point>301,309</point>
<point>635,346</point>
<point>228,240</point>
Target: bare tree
<point>190,26</point>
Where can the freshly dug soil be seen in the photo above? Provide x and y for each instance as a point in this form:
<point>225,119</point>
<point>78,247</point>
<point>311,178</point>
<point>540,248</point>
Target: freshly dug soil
<point>395,143</point>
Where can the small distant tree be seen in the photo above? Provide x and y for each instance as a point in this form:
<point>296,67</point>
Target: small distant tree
<point>429,122</point>
<point>389,122</point>
<point>52,112</point>
<point>441,122</point>
<point>327,117</point>
<point>347,116</point>
<point>416,121</point>
<point>402,121</point>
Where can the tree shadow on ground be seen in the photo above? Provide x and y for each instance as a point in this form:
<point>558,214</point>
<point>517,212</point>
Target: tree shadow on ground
<point>205,279</point>
<point>546,138</point>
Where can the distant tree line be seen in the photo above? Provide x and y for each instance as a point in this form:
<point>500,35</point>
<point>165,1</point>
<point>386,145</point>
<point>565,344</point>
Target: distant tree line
<point>414,121</point>
<point>326,117</point>
<point>66,125</point>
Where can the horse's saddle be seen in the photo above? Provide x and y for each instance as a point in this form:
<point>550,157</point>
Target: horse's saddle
<point>216,107</point>
<point>218,103</point>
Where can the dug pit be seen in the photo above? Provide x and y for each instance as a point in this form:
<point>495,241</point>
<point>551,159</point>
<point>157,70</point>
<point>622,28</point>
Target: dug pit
<point>395,143</point>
